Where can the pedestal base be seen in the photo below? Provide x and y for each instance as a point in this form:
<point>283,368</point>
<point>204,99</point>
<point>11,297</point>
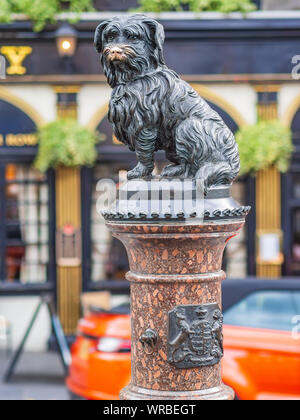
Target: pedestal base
<point>220,393</point>
<point>177,341</point>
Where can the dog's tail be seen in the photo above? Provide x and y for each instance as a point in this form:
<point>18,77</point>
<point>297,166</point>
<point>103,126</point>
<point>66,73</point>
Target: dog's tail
<point>215,175</point>
<point>210,151</point>
<point>225,164</point>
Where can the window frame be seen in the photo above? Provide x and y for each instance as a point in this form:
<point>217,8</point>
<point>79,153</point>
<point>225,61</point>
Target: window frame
<point>87,183</point>
<point>26,155</point>
<point>289,202</point>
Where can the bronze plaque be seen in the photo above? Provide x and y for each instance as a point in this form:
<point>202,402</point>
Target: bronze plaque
<point>195,336</point>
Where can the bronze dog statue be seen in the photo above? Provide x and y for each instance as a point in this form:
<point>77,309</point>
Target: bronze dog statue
<point>152,109</point>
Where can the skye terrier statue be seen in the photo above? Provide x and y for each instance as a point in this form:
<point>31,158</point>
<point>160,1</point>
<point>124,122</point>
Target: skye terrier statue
<point>152,109</point>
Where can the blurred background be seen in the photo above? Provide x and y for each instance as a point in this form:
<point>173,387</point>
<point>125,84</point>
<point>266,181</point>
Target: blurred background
<point>243,57</point>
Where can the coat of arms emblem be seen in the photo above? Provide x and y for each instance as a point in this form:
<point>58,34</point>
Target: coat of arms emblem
<point>195,335</point>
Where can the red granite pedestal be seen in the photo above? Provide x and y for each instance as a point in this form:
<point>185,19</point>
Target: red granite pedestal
<point>173,266</point>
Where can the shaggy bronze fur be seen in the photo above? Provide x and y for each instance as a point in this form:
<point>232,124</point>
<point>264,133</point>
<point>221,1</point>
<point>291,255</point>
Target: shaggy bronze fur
<point>152,109</point>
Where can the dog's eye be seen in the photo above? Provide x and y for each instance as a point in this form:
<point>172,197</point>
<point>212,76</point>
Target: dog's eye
<point>132,37</point>
<point>111,37</point>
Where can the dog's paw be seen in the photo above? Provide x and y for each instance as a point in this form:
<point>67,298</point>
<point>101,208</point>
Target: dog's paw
<point>140,171</point>
<point>172,171</point>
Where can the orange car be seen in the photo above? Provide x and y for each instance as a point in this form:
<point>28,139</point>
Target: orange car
<point>261,341</point>
<point>101,365</point>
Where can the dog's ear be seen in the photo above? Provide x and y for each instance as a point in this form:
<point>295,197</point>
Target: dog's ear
<point>98,41</point>
<point>158,35</point>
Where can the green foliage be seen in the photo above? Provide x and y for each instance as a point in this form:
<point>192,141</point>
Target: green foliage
<point>65,143</point>
<point>263,145</point>
<point>158,6</point>
<point>5,11</point>
<point>223,6</point>
<point>42,12</point>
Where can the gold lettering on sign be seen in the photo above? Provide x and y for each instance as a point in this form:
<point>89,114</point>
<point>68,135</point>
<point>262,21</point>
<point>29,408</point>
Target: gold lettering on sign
<point>16,57</point>
<point>19,140</point>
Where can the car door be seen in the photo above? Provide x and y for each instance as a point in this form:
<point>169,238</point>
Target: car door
<point>262,346</point>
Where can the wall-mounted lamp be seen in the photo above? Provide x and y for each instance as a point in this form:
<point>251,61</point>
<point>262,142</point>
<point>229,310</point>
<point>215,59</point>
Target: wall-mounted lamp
<point>66,40</point>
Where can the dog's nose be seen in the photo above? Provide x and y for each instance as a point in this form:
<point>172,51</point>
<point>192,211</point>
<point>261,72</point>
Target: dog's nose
<point>116,51</point>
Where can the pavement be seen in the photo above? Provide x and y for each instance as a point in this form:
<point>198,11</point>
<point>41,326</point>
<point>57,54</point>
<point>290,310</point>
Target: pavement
<point>38,376</point>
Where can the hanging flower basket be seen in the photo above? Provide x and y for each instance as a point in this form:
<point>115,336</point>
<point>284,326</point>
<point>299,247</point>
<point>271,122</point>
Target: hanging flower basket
<point>65,143</point>
<point>263,145</point>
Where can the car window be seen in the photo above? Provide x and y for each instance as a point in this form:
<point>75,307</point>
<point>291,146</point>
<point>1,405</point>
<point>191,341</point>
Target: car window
<point>265,309</point>
<point>296,297</point>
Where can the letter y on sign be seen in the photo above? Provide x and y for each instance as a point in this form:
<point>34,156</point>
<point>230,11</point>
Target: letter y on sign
<point>16,57</point>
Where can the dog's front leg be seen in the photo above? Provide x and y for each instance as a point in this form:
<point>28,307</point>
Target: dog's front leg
<point>145,148</point>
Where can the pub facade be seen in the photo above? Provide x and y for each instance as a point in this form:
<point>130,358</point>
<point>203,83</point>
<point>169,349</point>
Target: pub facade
<point>245,69</point>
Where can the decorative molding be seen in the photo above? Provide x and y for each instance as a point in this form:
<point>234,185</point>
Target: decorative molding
<point>267,101</point>
<point>289,114</point>
<point>236,213</point>
<point>268,214</point>
<point>67,105</point>
<point>69,279</point>
<point>268,185</point>
<point>267,88</point>
<point>149,340</point>
<point>7,96</point>
<point>211,96</point>
<point>66,88</point>
<point>98,117</point>
<point>192,78</point>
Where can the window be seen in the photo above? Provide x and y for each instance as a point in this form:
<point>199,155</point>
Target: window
<point>297,302</point>
<point>109,258</point>
<point>296,237</point>
<point>291,206</point>
<point>296,186</point>
<point>265,309</point>
<point>24,225</point>
<point>296,137</point>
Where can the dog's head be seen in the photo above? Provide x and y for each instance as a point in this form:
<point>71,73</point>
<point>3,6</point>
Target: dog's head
<point>129,47</point>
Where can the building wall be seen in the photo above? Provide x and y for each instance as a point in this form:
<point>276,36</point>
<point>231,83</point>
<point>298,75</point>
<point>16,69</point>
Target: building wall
<point>18,312</point>
<point>93,103</point>
<point>40,98</point>
<point>288,96</point>
<point>241,96</point>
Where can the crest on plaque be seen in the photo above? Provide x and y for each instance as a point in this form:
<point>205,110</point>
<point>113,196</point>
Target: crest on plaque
<point>195,336</point>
